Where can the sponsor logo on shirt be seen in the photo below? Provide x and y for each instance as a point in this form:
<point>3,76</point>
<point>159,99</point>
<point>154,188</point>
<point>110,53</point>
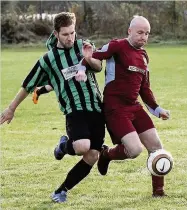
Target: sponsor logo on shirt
<point>136,69</point>
<point>71,71</point>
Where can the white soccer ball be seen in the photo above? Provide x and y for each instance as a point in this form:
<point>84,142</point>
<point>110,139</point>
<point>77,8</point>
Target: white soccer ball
<point>160,162</point>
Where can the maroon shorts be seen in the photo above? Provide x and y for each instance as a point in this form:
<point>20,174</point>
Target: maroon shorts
<point>122,121</point>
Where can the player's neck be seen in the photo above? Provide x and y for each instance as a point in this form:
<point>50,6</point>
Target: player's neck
<point>59,45</point>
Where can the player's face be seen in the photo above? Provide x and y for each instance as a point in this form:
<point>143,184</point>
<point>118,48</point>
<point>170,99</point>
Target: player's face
<point>139,34</point>
<point>66,36</point>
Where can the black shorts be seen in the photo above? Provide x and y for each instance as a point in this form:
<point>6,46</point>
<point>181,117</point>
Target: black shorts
<point>86,125</point>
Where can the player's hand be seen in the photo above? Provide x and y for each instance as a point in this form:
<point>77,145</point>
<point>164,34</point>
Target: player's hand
<point>6,115</point>
<point>81,76</point>
<point>164,114</point>
<point>87,50</point>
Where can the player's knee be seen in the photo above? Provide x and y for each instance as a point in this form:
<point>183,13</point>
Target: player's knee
<point>81,146</point>
<point>91,157</point>
<point>135,152</point>
<point>94,157</point>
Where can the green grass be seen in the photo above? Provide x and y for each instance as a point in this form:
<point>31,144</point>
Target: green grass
<point>29,173</point>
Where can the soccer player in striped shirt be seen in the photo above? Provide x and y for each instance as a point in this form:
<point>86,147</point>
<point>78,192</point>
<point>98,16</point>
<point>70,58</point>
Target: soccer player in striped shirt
<point>50,43</point>
<point>127,77</point>
<point>79,99</point>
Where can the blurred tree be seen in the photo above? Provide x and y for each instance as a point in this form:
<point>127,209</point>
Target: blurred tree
<point>109,19</point>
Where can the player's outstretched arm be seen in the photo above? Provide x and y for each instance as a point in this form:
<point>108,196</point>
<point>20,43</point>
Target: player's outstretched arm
<point>150,102</point>
<point>8,114</point>
<point>87,51</point>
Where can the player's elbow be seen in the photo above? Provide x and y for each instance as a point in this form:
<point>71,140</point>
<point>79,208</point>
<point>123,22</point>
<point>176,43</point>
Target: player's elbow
<point>98,70</point>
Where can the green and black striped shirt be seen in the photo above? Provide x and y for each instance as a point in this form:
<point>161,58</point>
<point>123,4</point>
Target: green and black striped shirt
<point>72,95</point>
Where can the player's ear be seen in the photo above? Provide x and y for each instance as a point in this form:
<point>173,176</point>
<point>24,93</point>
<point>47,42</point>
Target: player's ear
<point>56,34</point>
<point>129,31</point>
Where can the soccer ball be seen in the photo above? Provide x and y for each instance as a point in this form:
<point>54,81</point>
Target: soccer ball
<point>160,162</point>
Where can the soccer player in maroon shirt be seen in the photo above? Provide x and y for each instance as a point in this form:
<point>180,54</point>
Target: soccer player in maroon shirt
<point>127,77</point>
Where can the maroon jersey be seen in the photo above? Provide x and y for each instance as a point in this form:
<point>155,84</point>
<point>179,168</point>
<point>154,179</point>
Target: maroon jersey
<point>127,75</point>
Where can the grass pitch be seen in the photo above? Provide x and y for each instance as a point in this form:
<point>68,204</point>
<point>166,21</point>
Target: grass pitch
<point>29,173</point>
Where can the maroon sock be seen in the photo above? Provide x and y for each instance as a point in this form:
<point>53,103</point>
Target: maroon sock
<point>117,153</point>
<point>157,183</point>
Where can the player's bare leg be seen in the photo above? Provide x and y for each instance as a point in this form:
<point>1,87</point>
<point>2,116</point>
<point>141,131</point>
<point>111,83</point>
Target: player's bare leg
<point>129,148</point>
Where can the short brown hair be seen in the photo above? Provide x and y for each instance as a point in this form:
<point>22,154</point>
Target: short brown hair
<point>64,19</point>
